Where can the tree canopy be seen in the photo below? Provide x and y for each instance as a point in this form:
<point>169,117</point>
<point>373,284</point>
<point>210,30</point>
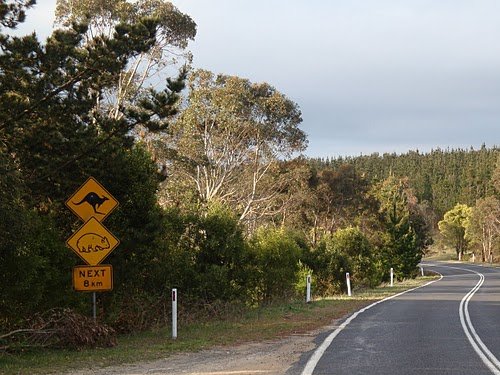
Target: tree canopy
<point>453,226</point>
<point>228,140</point>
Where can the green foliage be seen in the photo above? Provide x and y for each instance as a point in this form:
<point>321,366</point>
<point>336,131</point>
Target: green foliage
<point>453,225</point>
<point>441,177</point>
<point>399,246</point>
<point>338,198</point>
<point>277,258</point>
<point>496,176</point>
<point>228,143</point>
<point>13,13</point>
<point>221,257</point>
<point>359,254</point>
<point>204,256</point>
<point>34,263</point>
<point>173,31</point>
<point>301,284</point>
<point>51,140</point>
<point>482,227</point>
<point>346,250</point>
<point>329,268</point>
<point>30,252</point>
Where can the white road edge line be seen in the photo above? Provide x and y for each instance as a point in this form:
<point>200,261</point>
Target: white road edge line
<point>481,349</point>
<point>318,353</point>
<point>478,345</point>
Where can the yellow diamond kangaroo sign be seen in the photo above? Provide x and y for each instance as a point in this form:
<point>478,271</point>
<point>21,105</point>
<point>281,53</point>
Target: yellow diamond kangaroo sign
<point>92,242</point>
<point>92,200</point>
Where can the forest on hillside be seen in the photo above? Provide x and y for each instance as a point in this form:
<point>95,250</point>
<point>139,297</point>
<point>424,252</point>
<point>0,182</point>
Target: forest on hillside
<point>458,188</point>
<point>211,199</point>
<point>442,178</point>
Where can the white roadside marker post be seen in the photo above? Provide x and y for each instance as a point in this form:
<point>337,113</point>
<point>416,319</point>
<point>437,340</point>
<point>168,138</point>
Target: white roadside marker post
<point>308,288</point>
<point>348,279</point>
<point>392,276</point>
<point>174,313</point>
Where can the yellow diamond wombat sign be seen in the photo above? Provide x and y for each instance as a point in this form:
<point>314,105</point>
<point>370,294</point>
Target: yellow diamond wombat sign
<point>92,242</point>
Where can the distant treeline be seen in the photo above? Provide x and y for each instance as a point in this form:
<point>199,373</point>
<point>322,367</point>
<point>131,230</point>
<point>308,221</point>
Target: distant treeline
<point>441,177</point>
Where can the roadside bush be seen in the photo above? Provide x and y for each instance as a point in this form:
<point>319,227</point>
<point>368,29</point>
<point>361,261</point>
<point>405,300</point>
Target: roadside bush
<point>301,283</point>
<point>329,268</point>
<point>356,248</point>
<point>59,328</point>
<point>137,310</point>
<point>221,257</point>
<point>347,250</point>
<point>277,258</point>
<point>35,267</point>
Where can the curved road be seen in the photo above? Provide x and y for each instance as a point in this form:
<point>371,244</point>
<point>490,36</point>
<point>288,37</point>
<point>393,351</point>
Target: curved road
<point>451,326</point>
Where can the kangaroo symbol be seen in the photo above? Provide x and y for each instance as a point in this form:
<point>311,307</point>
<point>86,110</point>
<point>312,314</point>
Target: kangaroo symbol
<point>94,200</point>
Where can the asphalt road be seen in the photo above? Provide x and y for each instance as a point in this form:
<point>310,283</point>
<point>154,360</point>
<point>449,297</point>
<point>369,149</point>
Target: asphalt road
<point>451,326</point>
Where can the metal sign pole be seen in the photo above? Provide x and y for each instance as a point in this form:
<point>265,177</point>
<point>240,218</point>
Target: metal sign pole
<point>94,310</point>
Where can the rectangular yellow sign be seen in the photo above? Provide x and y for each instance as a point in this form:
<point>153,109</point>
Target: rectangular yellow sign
<point>93,278</point>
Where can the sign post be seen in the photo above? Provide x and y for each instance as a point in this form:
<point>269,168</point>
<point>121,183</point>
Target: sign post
<point>94,307</point>
<point>92,242</point>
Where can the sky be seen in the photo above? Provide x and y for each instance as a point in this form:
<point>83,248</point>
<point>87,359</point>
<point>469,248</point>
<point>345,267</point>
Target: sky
<point>368,75</point>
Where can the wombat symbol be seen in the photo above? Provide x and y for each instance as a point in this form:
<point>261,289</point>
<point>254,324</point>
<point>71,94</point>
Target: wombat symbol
<point>92,242</point>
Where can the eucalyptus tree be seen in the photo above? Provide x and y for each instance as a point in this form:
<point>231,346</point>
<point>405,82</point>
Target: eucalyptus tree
<point>228,141</point>
<point>150,67</point>
<point>453,225</point>
<point>483,225</point>
<point>342,199</point>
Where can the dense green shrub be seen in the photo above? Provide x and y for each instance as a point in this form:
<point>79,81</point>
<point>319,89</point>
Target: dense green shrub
<point>353,245</point>
<point>277,258</point>
<point>35,264</point>
<point>347,250</point>
<point>329,268</point>
<point>301,284</point>
<point>221,257</point>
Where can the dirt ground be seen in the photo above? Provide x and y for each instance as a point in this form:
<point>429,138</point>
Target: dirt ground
<point>270,358</point>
